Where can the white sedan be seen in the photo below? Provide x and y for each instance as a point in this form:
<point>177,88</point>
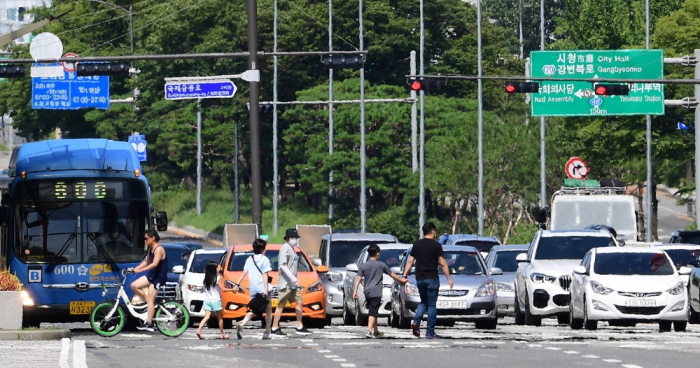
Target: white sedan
<point>628,285</point>
<point>191,285</point>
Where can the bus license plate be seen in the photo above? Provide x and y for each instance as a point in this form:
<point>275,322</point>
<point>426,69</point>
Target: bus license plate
<point>275,302</point>
<point>81,307</point>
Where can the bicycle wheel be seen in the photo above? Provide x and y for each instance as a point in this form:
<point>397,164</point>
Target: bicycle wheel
<point>104,326</point>
<point>177,324</point>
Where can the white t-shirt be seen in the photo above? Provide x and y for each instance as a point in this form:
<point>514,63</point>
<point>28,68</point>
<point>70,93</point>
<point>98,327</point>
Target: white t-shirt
<point>213,294</point>
<point>257,285</point>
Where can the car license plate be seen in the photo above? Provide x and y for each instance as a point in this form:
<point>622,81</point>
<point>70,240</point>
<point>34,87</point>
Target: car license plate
<point>640,303</point>
<point>81,307</point>
<point>275,302</point>
<point>451,305</point>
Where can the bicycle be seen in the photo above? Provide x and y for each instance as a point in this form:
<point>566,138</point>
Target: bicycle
<point>108,318</point>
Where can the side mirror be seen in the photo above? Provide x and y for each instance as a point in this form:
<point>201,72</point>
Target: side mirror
<point>684,270</point>
<point>495,271</point>
<point>317,262</point>
<point>396,270</point>
<point>161,220</point>
<point>179,269</point>
<point>321,269</point>
<point>522,257</point>
<point>694,263</point>
<point>580,270</point>
<point>351,267</point>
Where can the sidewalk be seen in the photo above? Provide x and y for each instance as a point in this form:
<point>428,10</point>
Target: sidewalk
<point>34,334</point>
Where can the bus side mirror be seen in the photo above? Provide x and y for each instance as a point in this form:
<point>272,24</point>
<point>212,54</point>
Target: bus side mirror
<point>161,220</point>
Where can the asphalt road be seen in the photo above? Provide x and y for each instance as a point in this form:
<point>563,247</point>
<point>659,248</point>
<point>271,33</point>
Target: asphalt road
<point>672,217</point>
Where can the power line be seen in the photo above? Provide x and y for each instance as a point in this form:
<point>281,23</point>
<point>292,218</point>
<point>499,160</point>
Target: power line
<point>98,12</point>
<point>322,24</point>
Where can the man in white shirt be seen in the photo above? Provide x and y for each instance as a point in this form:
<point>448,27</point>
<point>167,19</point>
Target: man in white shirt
<point>287,283</point>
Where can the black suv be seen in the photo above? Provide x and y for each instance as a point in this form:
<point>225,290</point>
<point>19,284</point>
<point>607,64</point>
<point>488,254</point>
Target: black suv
<point>686,237</point>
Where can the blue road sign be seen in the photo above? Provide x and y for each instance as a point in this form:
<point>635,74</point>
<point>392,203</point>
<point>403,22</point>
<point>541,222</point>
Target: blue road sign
<point>70,92</point>
<point>199,89</point>
<point>682,126</point>
<point>596,101</point>
<point>139,143</point>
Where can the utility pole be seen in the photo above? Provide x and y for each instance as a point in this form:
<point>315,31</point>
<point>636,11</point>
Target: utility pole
<point>650,186</point>
<point>480,208</point>
<point>275,182</point>
<point>331,189</point>
<point>543,143</point>
<point>256,178</point>
<point>421,199</point>
<point>363,159</point>
<point>199,156</point>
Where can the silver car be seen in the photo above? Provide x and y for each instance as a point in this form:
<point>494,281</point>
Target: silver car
<point>472,299</point>
<point>503,257</point>
<point>355,310</point>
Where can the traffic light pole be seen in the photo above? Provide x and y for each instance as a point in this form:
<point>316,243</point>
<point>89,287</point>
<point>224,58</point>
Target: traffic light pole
<point>421,199</point>
<point>414,122</point>
<point>256,179</point>
<point>480,208</point>
<point>650,185</point>
<point>199,156</point>
<point>363,194</point>
<point>331,189</point>
<point>275,176</point>
<point>543,142</point>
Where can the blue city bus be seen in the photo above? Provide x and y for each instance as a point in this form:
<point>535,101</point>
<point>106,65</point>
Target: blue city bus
<point>73,213</point>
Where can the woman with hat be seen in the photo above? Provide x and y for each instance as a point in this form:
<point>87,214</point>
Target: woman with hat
<point>287,283</point>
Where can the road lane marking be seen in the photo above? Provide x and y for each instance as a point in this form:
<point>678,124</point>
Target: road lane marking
<point>347,365</point>
<point>324,351</point>
<point>309,344</point>
<point>357,343</point>
<point>306,340</point>
<point>65,350</point>
<point>331,356</point>
<point>79,356</point>
<point>553,348</point>
<point>612,361</point>
<point>340,360</point>
<point>571,352</point>
<point>591,356</point>
<point>631,366</point>
<point>535,346</point>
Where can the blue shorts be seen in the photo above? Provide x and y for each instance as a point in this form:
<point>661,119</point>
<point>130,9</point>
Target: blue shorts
<point>213,306</point>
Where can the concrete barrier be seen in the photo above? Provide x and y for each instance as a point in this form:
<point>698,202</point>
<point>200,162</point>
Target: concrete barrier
<point>34,335</point>
<point>11,307</point>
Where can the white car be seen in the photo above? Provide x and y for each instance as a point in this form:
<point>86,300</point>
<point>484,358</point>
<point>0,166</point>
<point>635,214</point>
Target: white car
<point>628,285</point>
<point>190,288</point>
<point>544,272</point>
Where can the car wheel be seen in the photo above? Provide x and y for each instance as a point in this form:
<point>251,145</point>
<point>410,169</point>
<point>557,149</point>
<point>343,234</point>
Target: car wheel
<point>348,318</point>
<point>563,319</point>
<point>316,323</point>
<point>404,323</point>
<point>530,319</point>
<point>587,323</point>
<point>329,320</point>
<point>693,316</point>
<point>518,314</point>
<point>394,319</point>
<point>665,326</point>
<point>447,323</point>
<point>490,324</point>
<point>680,326</point>
<point>360,320</point>
<point>574,323</point>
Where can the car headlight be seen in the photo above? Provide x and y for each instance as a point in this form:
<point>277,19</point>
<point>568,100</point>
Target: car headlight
<point>196,288</point>
<point>485,290</point>
<point>412,289</point>
<point>676,290</point>
<point>334,277</point>
<point>600,289</point>
<point>500,286</point>
<point>317,286</point>
<point>539,277</point>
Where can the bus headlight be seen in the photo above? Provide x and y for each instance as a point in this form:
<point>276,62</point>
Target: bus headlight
<point>26,300</point>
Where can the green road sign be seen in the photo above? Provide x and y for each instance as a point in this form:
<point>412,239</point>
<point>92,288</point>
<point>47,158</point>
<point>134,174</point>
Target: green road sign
<point>567,98</point>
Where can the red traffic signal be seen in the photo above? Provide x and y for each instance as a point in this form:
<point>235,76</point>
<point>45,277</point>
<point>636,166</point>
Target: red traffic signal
<point>426,85</point>
<point>416,86</point>
<point>612,89</point>
<point>522,87</point>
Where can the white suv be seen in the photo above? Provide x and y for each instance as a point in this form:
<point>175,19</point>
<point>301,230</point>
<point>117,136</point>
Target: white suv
<point>544,272</point>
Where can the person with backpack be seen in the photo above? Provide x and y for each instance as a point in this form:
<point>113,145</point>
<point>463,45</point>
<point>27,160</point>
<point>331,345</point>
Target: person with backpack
<point>212,299</point>
<point>257,267</point>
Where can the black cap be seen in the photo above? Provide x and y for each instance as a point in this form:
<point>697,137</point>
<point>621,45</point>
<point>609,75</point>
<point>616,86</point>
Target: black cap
<point>291,233</point>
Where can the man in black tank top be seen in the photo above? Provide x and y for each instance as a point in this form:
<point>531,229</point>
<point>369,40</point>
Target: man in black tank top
<point>156,264</point>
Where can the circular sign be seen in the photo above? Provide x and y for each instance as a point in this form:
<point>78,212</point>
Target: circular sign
<point>69,67</point>
<point>596,101</point>
<point>46,46</point>
<point>576,168</point>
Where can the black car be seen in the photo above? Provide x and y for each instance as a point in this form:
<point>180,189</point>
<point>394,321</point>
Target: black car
<point>686,237</point>
<point>177,254</point>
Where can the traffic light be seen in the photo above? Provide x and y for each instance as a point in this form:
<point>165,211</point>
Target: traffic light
<point>12,71</point>
<point>522,87</point>
<point>427,85</point>
<point>612,89</point>
<point>91,69</point>
<point>355,62</point>
<point>265,108</point>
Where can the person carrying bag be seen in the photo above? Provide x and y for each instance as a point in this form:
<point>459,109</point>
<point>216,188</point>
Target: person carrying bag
<point>257,267</point>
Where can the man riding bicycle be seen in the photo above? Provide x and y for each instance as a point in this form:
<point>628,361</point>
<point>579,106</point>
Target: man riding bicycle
<point>157,266</point>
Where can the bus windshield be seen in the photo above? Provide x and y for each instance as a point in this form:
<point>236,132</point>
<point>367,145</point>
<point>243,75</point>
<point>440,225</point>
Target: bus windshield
<point>79,231</point>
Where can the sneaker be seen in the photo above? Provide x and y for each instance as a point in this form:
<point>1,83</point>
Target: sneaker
<point>146,327</point>
<point>416,329</point>
<point>379,334</point>
<point>432,337</point>
<point>239,328</point>
<point>278,332</point>
<point>369,335</point>
<point>303,330</point>
<point>266,336</point>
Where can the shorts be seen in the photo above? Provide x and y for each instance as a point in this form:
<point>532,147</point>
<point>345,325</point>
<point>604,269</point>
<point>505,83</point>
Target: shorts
<point>156,283</point>
<point>373,305</point>
<point>213,306</point>
<point>287,295</point>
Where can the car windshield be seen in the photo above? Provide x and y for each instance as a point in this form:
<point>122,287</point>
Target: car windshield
<point>480,245</point>
<point>505,260</point>
<point>199,263</point>
<point>632,264</point>
<point>570,247</point>
<point>681,257</point>
<point>344,252</point>
<point>459,263</point>
<point>688,238</point>
<point>392,257</point>
<point>238,260</point>
<point>177,256</point>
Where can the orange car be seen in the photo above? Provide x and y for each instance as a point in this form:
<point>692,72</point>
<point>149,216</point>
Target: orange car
<point>314,293</point>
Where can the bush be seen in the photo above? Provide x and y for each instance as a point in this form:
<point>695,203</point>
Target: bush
<point>9,282</point>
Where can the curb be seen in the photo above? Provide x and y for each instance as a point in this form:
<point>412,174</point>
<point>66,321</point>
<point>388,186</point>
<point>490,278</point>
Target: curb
<point>192,232</point>
<point>35,335</point>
